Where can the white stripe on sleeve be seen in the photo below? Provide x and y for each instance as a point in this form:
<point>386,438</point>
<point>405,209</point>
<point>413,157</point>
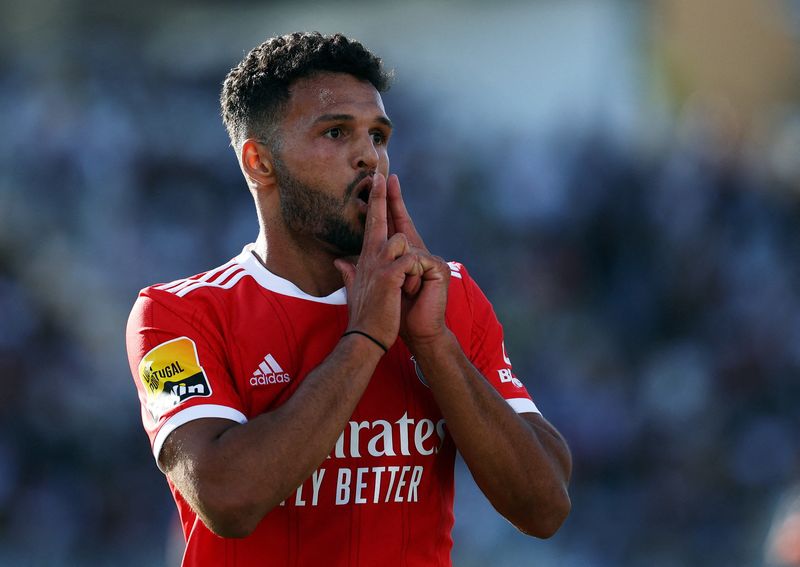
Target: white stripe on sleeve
<point>190,414</point>
<point>523,405</point>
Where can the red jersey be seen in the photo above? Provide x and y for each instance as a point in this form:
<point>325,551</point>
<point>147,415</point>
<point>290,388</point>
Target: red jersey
<point>236,341</point>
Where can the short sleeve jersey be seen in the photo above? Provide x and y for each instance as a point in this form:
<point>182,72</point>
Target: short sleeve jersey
<point>236,342</point>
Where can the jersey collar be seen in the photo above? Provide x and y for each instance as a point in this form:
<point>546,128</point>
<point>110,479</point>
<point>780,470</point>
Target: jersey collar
<point>266,279</point>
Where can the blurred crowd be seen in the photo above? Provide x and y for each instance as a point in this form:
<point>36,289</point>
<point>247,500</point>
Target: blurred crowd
<point>649,294</point>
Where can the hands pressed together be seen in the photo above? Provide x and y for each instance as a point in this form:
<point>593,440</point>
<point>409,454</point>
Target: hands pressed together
<point>397,286</point>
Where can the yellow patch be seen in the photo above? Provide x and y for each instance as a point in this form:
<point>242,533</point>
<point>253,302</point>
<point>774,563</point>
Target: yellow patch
<point>171,374</point>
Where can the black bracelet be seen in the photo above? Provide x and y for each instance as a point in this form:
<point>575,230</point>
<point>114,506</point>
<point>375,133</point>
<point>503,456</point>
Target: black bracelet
<point>373,339</point>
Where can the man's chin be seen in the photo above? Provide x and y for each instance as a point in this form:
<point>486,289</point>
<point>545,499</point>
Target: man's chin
<point>343,248</point>
<point>342,238</point>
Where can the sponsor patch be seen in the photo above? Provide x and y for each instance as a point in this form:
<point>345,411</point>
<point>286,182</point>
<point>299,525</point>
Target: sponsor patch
<point>171,374</point>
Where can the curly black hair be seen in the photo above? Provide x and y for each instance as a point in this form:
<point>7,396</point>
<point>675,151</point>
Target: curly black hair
<point>256,90</point>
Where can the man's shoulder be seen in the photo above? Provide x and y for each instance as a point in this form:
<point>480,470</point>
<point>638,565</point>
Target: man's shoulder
<point>464,292</point>
<point>459,293</point>
<point>223,277</point>
<point>457,269</point>
<point>187,296</point>
<point>460,277</point>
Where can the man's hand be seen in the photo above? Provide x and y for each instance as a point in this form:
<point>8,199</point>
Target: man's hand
<point>425,293</point>
<point>520,462</point>
<point>374,286</point>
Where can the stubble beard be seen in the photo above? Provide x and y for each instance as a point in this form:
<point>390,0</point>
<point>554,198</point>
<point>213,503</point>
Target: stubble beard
<point>308,210</point>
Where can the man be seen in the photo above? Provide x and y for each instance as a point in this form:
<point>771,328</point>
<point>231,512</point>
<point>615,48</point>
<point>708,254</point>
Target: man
<point>306,399</point>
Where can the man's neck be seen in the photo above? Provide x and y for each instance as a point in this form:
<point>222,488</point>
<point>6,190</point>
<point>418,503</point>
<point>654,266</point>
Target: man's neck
<point>306,264</point>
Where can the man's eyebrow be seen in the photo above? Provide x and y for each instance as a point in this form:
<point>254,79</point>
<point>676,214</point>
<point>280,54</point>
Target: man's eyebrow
<point>349,117</point>
<point>385,121</point>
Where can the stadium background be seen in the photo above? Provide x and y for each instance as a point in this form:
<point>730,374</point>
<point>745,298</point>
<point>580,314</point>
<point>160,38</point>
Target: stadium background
<point>621,177</point>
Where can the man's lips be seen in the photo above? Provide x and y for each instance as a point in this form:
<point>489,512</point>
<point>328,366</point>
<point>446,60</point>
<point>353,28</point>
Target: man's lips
<point>363,189</point>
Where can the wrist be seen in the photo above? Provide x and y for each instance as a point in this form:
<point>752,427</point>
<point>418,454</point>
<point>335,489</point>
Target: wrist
<point>369,337</point>
<point>433,345</point>
<point>364,344</point>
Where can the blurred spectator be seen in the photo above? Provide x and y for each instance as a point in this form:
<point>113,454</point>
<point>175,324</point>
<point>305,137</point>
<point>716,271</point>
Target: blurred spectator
<point>783,541</point>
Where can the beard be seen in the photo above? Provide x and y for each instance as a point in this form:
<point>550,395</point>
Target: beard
<point>306,209</point>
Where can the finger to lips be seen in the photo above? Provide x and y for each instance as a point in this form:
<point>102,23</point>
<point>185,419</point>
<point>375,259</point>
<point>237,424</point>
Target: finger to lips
<point>391,228</point>
<point>375,229</point>
<point>399,213</point>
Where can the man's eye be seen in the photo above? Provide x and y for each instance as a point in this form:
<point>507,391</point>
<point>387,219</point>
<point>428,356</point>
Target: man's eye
<point>378,138</point>
<point>334,133</point>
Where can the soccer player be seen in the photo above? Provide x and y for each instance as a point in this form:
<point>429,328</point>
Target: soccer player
<point>305,400</point>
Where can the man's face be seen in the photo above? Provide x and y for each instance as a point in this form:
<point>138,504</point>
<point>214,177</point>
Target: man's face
<point>333,138</point>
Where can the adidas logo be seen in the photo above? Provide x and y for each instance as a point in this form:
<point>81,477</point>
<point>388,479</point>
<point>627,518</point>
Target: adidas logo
<point>269,372</point>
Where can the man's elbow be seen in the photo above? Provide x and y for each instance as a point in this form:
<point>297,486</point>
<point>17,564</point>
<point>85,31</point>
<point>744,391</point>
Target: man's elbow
<point>230,526</point>
<point>228,516</point>
<point>544,520</point>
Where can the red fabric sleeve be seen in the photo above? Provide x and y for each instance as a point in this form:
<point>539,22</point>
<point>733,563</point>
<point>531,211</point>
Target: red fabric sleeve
<point>177,361</point>
<point>486,347</point>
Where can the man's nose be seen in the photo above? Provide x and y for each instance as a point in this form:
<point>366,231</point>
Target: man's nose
<point>366,154</point>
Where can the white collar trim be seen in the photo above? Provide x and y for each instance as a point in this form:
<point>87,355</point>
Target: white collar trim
<point>266,279</point>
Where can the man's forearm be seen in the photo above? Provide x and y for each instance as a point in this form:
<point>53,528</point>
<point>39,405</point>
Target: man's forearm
<point>247,469</point>
<point>520,462</point>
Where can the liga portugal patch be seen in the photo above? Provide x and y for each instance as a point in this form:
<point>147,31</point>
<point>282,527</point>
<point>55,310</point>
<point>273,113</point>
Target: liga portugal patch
<point>171,374</point>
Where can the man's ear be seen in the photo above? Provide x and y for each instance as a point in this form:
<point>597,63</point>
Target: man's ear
<point>256,161</point>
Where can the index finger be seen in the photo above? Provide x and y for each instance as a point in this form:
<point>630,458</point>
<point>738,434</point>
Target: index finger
<point>375,229</point>
<point>400,218</point>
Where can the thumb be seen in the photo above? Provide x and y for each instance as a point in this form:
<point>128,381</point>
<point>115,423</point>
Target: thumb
<point>347,269</point>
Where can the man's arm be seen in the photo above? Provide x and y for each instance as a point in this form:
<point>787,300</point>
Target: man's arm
<point>233,474</point>
<point>520,462</point>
